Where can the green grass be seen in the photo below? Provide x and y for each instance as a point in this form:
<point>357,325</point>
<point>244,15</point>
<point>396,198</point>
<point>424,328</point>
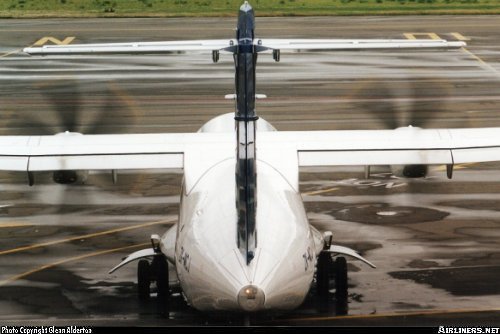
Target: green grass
<point>131,8</point>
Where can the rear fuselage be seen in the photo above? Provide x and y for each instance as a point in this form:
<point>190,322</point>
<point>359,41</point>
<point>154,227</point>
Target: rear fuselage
<point>213,273</point>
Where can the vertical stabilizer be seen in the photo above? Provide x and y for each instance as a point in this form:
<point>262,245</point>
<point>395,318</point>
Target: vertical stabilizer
<point>245,59</point>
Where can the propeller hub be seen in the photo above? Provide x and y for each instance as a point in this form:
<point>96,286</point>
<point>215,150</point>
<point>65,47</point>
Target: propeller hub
<point>408,128</point>
<point>68,133</point>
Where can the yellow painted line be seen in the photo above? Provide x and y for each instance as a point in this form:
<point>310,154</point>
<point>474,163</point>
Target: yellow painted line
<point>310,193</point>
<point>392,315</point>
<point>456,167</point>
<point>14,224</point>
<point>75,258</point>
<point>10,53</point>
<point>86,236</point>
<point>44,40</point>
<point>13,52</point>
<point>482,62</point>
<point>413,35</point>
<point>459,36</point>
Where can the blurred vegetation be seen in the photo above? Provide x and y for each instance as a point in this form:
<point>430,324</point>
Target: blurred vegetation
<point>164,8</point>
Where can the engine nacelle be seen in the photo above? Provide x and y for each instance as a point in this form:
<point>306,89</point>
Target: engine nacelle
<point>409,171</point>
<point>70,176</point>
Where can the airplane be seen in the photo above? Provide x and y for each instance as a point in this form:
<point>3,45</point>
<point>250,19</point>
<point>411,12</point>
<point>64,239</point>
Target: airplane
<point>243,241</point>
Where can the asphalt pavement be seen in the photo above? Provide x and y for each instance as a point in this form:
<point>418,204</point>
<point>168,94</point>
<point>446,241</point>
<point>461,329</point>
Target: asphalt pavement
<point>435,241</point>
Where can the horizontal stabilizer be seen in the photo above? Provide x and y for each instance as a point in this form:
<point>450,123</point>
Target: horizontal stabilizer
<point>353,44</point>
<point>229,46</point>
<point>137,48</point>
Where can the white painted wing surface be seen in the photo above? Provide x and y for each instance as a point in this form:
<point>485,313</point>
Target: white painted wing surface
<point>130,48</point>
<point>314,148</point>
<point>102,152</point>
<point>402,146</point>
<point>355,44</point>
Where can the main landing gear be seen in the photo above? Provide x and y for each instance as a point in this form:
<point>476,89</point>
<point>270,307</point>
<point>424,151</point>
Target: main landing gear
<point>143,280</point>
<point>156,272</point>
<point>326,270</point>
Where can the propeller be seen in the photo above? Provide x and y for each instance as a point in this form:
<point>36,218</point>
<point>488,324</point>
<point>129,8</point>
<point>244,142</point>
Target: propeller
<point>72,112</point>
<point>396,104</point>
<point>92,110</point>
<point>66,101</point>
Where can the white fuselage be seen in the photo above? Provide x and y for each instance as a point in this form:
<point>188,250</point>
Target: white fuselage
<point>211,269</point>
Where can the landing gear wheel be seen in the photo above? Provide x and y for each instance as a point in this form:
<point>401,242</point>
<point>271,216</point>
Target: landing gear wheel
<point>323,275</point>
<point>143,280</point>
<point>324,266</point>
<point>160,266</point>
<point>162,278</point>
<point>341,285</point>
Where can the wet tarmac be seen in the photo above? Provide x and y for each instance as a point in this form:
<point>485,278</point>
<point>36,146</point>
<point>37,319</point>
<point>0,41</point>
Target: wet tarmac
<point>435,241</point>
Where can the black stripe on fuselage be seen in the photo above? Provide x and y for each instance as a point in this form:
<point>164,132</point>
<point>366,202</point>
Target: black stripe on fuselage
<point>246,178</point>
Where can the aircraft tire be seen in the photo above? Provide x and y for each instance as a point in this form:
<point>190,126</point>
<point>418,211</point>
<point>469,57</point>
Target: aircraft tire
<point>341,285</point>
<point>143,280</point>
<point>323,275</point>
<point>162,278</point>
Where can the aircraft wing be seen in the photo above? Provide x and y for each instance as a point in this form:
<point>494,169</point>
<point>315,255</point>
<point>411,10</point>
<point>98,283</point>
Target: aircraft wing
<point>404,146</point>
<point>129,48</point>
<point>314,148</point>
<point>104,152</point>
<point>354,44</point>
